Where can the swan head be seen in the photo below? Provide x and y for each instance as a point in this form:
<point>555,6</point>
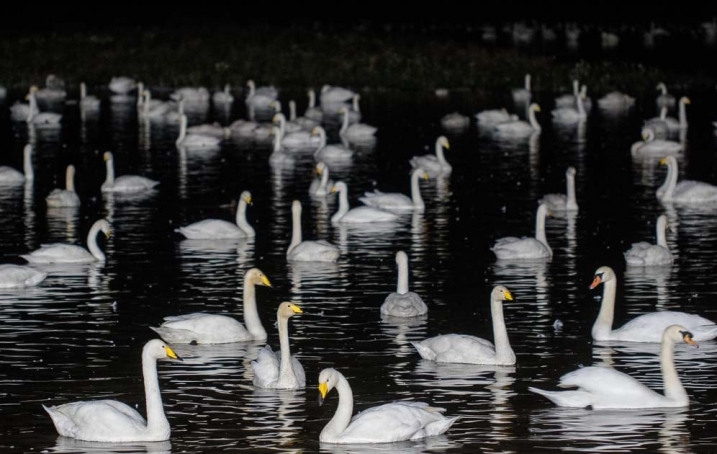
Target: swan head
<point>678,333</point>
<point>344,110</point>
<point>104,226</point>
<point>246,197</point>
<point>256,276</point>
<point>662,87</point>
<point>685,100</point>
<point>543,210</point>
<point>320,167</point>
<point>296,207</point>
<point>325,88</point>
<point>443,142</point>
<point>276,105</point>
<point>570,172</point>
<point>602,275</point>
<point>250,83</point>
<point>668,161</point>
<point>70,171</point>
<point>534,107</point>
<point>107,156</point>
<point>328,379</point>
<point>159,349</point>
<point>401,257</point>
<point>288,310</point>
<point>501,293</point>
<point>339,186</point>
<point>318,131</point>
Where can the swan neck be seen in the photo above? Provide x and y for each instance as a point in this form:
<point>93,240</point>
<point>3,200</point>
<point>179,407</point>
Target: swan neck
<point>27,164</point>
<point>312,99</point>
<point>661,237</point>
<point>110,178</point>
<point>182,129</point>
<point>33,107</point>
<point>572,198</point>
<point>292,111</point>
<point>345,409</point>
<point>540,229</point>
<point>343,206</point>
<point>345,122</point>
<point>416,190</point>
<point>602,329</point>
<point>671,381</point>
<point>534,122</point>
<point>581,107</point>
<point>439,153</point>
<point>83,91</point>
<point>324,178</point>
<point>296,231</point>
<point>356,104</point>
<point>663,113</point>
<point>241,221</point>
<point>251,316</point>
<point>503,352</point>
<point>156,419</point>
<point>282,126</point>
<point>683,114</point>
<point>70,180</point>
<point>92,243</point>
<point>671,182</point>
<point>402,287</point>
<point>285,366</point>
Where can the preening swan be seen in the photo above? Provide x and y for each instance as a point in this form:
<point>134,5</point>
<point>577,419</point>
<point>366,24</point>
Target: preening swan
<point>603,387</point>
<point>125,183</point>
<point>18,276</point>
<point>490,118</point>
<point>519,127</point>
<point>11,177</point>
<point>196,141</point>
<point>321,186</point>
<point>386,423</point>
<point>330,153</point>
<point>664,99</point>
<point>645,254</point>
<point>398,201</point>
<point>512,248</point>
<point>202,328</point>
<point>284,372</point>
<point>308,251</point>
<point>122,85</point>
<point>563,202</point>
<point>650,146</point>
<point>357,132</point>
<point>434,165</point>
<point>645,328</point>
<point>69,253</point>
<point>358,215</point>
<point>110,421</point>
<point>461,348</point>
<point>65,197</point>
<point>218,229</point>
<point>54,90</point>
<point>687,191</point>
<point>403,303</point>
<point>522,95</point>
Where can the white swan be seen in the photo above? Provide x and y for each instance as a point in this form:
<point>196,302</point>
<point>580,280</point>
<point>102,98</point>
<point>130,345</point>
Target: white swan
<point>616,101</point>
<point>69,253</point>
<point>385,423</point>
<point>305,123</point>
<point>490,118</point>
<point>195,141</point>
<point>512,248</point>
<point>461,348</point>
<point>288,126</point>
<point>330,153</point>
<point>563,202</point>
<point>153,109</point>
<point>278,156</point>
<point>436,164</point>
<point>658,124</point>
<point>644,254</point>
<point>569,100</point>
<point>262,97</point>
<point>687,191</point>
<point>122,85</point>
<point>223,97</point>
<point>357,132</point>
<point>522,95</point>
<point>650,146</point>
<point>214,130</point>
<point>312,112</point>
<point>11,177</point>
<point>41,119</point>
<point>645,328</point>
<point>218,229</point>
<point>455,121</point>
<point>21,111</point>
<point>396,200</point>
<point>358,215</point>
<point>54,90</point>
<point>520,127</point>
<point>88,103</point>
<point>335,95</point>
<point>18,276</point>
<point>403,303</point>
<point>191,95</point>
<point>664,99</point>
<point>298,138</point>
<point>321,186</point>
<point>603,387</point>
<point>308,251</point>
<point>571,114</point>
<point>677,124</point>
<point>284,372</point>
<point>110,421</point>
<point>125,183</point>
<point>202,328</point>
<point>65,197</point>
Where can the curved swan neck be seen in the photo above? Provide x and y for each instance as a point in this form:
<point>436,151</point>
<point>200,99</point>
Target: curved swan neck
<point>343,205</point>
<point>533,121</point>
<point>241,221</point>
<point>156,419</point>
<point>439,153</point>
<point>572,202</point>
<point>672,385</point>
<point>282,124</point>
<point>416,189</point>
<point>110,178</point>
<point>402,287</point>
<point>70,179</point>
<point>576,88</point>
<point>33,107</point>
<point>671,181</point>
<point>503,351</point>
<point>355,106</point>
<point>527,82</point>
<point>296,231</point>
<point>540,227</point>
<point>285,366</point>
<point>345,409</point>
<point>92,243</point>
<point>345,121</point>
<point>252,88</point>
<point>661,237</point>
<point>603,325</point>
<point>322,139</point>
<point>251,316</point>
<point>27,163</point>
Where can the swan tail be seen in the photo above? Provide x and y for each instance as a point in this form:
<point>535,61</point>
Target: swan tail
<point>425,352</point>
<point>577,399</point>
<point>704,332</point>
<point>63,424</point>
<point>435,428</point>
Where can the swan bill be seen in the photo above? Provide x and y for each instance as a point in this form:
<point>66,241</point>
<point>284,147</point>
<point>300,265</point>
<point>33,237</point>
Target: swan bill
<point>265,281</point>
<point>663,161</point>
<point>296,309</point>
<point>507,295</point>
<point>687,337</point>
<point>172,354</point>
<point>323,390</point>
<point>596,281</point>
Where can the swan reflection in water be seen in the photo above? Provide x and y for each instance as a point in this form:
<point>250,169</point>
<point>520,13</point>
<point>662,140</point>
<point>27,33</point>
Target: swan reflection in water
<point>66,445</point>
<point>275,417</point>
<point>313,278</point>
<point>439,443</point>
<point>403,330</point>
<point>217,366</point>
<point>652,282</point>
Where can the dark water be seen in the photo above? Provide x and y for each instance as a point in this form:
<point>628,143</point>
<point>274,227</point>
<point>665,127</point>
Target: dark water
<point>79,334</point>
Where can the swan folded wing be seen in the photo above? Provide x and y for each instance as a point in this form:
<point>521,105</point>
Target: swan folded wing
<point>608,387</point>
<point>514,127</point>
<point>526,248</point>
<point>696,191</point>
<point>100,420</point>
<point>649,327</point>
<point>334,152</point>
<point>426,162</point>
<point>387,423</point>
<point>644,253</point>
<point>12,276</point>
<point>368,214</point>
<point>8,175</point>
<point>299,139</point>
<point>405,305</point>
<point>133,183</point>
<point>318,251</point>
<point>202,328</point>
<point>387,200</point>
<point>67,253</point>
<point>458,348</point>
<point>299,372</point>
<point>266,368</point>
<point>212,229</point>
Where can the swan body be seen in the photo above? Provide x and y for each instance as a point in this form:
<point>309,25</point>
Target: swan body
<point>41,119</point>
<point>359,215</point>
<point>397,421</point>
<point>460,348</point>
<point>218,229</point>
<point>455,121</point>
<point>65,197</point>
<point>572,114</point>
<point>18,276</point>
<point>214,130</point>
<point>650,146</point>
<point>304,123</point>
<point>11,177</point>
<point>687,191</point>
<point>645,254</point>
<point>88,103</point>
<point>519,127</point>
<point>522,95</point>
<point>403,303</point>
<point>490,118</point>
<point>262,97</point>
<point>54,90</point>
<point>436,164</point>
<point>122,85</point>
<point>602,387</point>
<point>335,95</point>
<point>647,327</point>
<point>223,97</point>
<point>563,202</point>
<point>298,138</point>
<point>191,95</point>
<point>330,153</point>
<point>664,99</point>
<point>126,183</point>
<point>512,248</point>
<point>569,100</point>
<point>659,124</point>
<point>196,141</point>
<point>321,187</point>
<point>69,253</point>
<point>308,251</point>
<point>110,421</point>
<point>616,101</point>
<point>202,328</point>
<point>285,371</point>
<point>398,201</point>
<point>356,132</point>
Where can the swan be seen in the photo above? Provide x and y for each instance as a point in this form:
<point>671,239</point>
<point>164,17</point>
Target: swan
<point>21,111</point>
<point>571,114</point>
<point>298,138</point>
<point>569,100</point>
<point>88,103</point>
<point>69,253</point>
<point>125,183</point>
<point>335,95</point>
<point>11,177</point>
<point>223,97</point>
<point>285,371</point>
<point>644,254</point>
<point>191,95</point>
<point>687,191</point>
<point>357,132</point>
<point>195,141</point>
<point>461,348</point>
<point>213,130</point>
<point>202,328</point>
<point>403,303</point>
<point>321,186</point>
<point>512,248</point>
<point>110,421</point>
<point>18,276</point>
<point>616,101</point>
<point>519,127</point>
<point>522,95</point>
<point>603,387</point>
<point>455,121</point>
<point>330,153</point>
<point>122,85</point>
<point>262,97</point>
<point>587,102</point>
<point>288,126</point>
<point>65,197</point>
<point>154,109</point>
<point>664,99</point>
<point>308,251</point>
<point>312,112</point>
<point>645,328</point>
<point>387,423</point>
<point>3,93</point>
<point>278,156</point>
<point>677,124</point>
<point>54,90</point>
<point>305,123</point>
<point>434,165</point>
<point>490,118</point>
<point>41,119</point>
<point>650,146</point>
<point>395,200</point>
<point>563,202</point>
<point>218,229</point>
<point>357,215</point>
<point>659,124</point>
